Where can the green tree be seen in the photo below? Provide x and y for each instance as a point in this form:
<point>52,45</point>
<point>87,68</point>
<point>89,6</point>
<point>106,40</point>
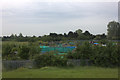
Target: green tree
<point>113,30</point>
<point>49,59</point>
<point>71,34</point>
<point>6,49</point>
<point>79,32</point>
<point>12,36</point>
<point>34,50</point>
<point>83,51</point>
<point>87,33</point>
<point>20,35</point>
<point>24,52</point>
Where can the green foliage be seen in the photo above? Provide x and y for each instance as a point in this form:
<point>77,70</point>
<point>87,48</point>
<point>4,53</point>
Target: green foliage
<point>34,49</point>
<point>70,55</point>
<point>29,51</point>
<point>19,50</point>
<point>77,35</point>
<point>49,60</point>
<point>113,30</point>
<point>103,41</point>
<point>24,52</point>
<point>79,32</point>
<point>8,51</point>
<point>83,51</point>
<point>106,56</point>
<point>98,55</point>
<point>82,37</point>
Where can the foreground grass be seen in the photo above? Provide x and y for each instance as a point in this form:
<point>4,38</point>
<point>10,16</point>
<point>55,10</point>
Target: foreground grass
<point>54,72</point>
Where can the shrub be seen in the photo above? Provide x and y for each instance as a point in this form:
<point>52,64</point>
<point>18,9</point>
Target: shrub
<point>49,60</point>
<point>34,50</point>
<point>24,52</point>
<point>83,51</point>
<point>105,56</point>
<point>8,51</point>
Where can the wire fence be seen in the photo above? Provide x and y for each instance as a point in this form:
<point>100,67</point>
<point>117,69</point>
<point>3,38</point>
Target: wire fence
<point>14,64</point>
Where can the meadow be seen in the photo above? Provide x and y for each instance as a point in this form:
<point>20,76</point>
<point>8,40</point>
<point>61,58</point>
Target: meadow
<point>63,72</point>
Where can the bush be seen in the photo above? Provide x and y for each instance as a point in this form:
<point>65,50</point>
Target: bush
<point>34,50</point>
<point>19,50</point>
<point>8,51</point>
<point>83,51</point>
<point>105,56</point>
<point>49,60</point>
<point>24,52</point>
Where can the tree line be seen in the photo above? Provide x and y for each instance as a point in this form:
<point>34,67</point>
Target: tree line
<point>112,34</point>
<point>77,35</point>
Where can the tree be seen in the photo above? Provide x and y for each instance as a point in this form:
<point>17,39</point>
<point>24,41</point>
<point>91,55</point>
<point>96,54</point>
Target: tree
<point>49,59</point>
<point>6,49</point>
<point>15,35</point>
<point>100,37</point>
<point>82,37</point>
<point>60,35</point>
<point>83,51</point>
<point>34,50</point>
<point>65,35</point>
<point>103,36</point>
<point>87,33</point>
<point>24,52</point>
<point>12,36</point>
<point>53,34</point>
<point>113,30</point>
<point>79,32</point>
<point>75,35</point>
<point>20,35</point>
<point>71,34</point>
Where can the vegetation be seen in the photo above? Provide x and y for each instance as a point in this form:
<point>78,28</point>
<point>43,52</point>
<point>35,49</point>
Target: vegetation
<point>19,50</point>
<point>20,47</point>
<point>66,72</point>
<point>50,60</point>
<point>98,55</point>
<point>113,30</point>
<point>55,37</point>
<point>113,34</point>
<point>105,56</point>
<point>77,35</point>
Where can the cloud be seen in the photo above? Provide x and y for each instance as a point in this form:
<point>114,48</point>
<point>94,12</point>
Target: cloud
<point>58,17</point>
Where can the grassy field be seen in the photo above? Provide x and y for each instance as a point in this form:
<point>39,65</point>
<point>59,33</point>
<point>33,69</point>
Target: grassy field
<point>54,72</point>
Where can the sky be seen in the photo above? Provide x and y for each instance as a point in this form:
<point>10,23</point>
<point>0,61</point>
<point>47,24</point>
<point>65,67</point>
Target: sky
<point>36,17</point>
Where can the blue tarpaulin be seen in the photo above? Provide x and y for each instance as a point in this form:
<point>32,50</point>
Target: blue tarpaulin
<point>59,49</point>
<point>96,43</point>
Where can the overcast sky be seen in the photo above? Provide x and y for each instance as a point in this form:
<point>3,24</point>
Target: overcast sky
<point>32,17</point>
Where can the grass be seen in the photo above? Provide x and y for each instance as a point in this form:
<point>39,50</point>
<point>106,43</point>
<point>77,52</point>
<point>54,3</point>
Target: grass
<point>55,72</point>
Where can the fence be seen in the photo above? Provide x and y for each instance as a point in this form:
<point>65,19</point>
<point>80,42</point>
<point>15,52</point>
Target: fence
<point>78,62</point>
<point>11,64</point>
